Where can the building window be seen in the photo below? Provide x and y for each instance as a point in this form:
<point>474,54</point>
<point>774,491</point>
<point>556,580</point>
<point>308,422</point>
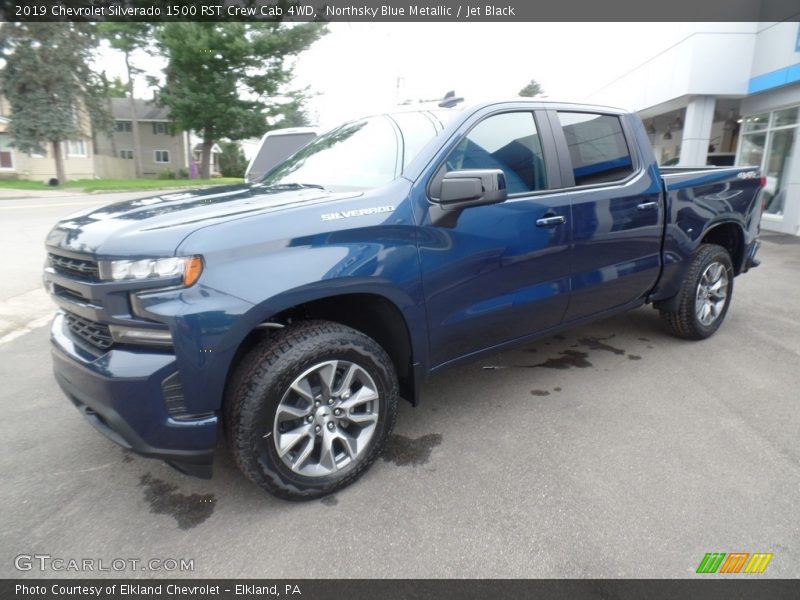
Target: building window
<point>159,128</point>
<point>123,126</point>
<point>768,142</point>
<point>77,148</point>
<point>128,154</point>
<point>161,156</point>
<point>6,153</point>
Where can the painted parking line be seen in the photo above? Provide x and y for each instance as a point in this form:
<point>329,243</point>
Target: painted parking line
<point>27,328</point>
<point>24,313</point>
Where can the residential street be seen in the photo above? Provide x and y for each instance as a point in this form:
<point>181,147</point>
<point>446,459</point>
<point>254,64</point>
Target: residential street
<point>613,450</point>
<point>24,223</point>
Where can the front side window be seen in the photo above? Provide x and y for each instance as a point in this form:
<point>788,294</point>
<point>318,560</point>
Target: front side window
<point>357,155</point>
<point>597,147</point>
<point>509,142</point>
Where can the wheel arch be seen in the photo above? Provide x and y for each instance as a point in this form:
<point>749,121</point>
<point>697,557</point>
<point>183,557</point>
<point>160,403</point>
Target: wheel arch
<point>372,313</point>
<point>729,235</point>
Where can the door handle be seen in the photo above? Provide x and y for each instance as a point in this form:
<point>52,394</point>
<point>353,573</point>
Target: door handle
<point>647,206</point>
<point>550,221</point>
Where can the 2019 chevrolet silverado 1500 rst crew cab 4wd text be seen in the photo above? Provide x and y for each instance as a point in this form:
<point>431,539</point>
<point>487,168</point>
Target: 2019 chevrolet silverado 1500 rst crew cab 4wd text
<point>295,311</point>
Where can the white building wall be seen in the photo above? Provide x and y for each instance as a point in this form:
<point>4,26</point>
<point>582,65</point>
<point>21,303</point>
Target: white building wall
<point>776,47</point>
<point>714,63</point>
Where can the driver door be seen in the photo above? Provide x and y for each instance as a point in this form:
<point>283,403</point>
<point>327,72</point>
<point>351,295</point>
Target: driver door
<point>499,272</point>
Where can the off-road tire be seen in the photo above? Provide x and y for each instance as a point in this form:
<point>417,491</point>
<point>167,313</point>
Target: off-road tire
<point>684,322</point>
<point>262,377</point>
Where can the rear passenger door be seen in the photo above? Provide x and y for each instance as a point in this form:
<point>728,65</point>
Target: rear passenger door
<point>617,218</point>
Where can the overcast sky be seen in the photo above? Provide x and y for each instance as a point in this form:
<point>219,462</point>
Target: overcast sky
<point>356,67</point>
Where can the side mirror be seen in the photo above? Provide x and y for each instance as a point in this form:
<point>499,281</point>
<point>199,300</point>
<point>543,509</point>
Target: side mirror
<point>466,188</point>
<point>472,187</point>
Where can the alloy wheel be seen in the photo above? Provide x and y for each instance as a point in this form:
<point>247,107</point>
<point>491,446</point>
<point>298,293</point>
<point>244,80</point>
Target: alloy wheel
<point>326,418</point>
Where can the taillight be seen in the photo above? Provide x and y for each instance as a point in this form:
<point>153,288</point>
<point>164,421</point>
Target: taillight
<point>762,181</point>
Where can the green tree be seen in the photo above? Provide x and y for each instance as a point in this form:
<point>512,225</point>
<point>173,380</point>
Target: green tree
<point>232,162</point>
<point>51,89</point>
<point>532,89</point>
<point>128,37</point>
<point>224,79</point>
<point>117,88</point>
<point>290,114</point>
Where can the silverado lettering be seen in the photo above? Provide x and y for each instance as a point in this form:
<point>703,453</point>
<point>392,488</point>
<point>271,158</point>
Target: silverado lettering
<point>356,213</point>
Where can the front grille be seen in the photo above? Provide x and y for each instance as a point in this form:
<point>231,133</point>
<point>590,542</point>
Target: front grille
<point>76,267</point>
<point>94,334</point>
<point>60,290</point>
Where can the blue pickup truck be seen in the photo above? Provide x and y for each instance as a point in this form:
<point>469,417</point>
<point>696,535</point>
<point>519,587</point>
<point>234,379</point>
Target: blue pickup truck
<point>292,313</point>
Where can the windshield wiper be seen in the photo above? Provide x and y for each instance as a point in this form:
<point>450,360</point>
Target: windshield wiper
<point>293,186</point>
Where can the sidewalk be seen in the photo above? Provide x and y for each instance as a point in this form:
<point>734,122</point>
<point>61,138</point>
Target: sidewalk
<point>13,194</point>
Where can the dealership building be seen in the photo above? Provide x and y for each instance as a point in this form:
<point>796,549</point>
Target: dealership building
<point>728,94</point>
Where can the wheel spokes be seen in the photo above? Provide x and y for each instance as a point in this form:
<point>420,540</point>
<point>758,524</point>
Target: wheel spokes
<point>327,375</point>
<point>300,460</point>
<point>290,439</point>
<point>303,389</point>
<point>347,380</point>
<point>327,456</point>
<point>293,411</point>
<point>326,418</point>
<point>712,293</point>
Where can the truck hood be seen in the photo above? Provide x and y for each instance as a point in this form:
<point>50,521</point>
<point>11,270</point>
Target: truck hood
<point>156,225</point>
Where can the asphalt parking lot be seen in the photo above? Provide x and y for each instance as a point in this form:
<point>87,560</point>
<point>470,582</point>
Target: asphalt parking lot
<point>612,450</point>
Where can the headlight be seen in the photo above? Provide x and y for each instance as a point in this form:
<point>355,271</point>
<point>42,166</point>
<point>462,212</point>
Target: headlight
<point>188,268</point>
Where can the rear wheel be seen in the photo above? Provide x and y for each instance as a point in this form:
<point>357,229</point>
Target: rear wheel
<point>310,408</point>
<point>705,295</point>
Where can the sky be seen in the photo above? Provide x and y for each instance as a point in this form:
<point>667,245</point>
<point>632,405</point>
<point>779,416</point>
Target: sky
<point>363,68</point>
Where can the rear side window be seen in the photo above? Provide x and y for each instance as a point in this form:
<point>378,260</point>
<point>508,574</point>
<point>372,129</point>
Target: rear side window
<point>597,147</point>
<point>507,141</point>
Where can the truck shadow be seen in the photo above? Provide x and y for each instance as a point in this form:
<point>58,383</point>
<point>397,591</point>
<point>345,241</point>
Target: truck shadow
<point>620,343</point>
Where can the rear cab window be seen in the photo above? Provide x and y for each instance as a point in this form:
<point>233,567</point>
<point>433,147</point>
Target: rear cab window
<point>597,147</point>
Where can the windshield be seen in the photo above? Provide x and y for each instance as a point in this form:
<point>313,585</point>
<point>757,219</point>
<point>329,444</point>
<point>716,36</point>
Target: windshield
<point>363,154</point>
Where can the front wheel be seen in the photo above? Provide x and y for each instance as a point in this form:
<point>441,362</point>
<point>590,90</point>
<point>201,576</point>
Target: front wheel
<point>705,295</point>
<point>310,408</point>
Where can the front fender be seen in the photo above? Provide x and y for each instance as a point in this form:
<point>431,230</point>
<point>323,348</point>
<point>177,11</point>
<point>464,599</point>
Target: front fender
<point>248,284</point>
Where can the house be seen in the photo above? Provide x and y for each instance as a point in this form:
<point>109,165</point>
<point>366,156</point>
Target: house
<point>163,148</point>
<point>102,155</point>
<point>77,153</point>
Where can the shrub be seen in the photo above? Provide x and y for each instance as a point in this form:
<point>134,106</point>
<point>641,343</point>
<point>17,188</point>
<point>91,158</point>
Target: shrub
<point>232,162</point>
<point>166,174</point>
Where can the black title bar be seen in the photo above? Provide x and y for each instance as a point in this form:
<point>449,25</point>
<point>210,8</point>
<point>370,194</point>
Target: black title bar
<point>700,588</point>
<point>401,10</point>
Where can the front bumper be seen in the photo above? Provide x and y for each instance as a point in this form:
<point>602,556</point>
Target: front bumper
<point>120,393</point>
